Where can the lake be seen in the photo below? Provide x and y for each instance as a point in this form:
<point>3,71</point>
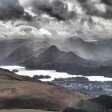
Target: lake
<point>52,73</point>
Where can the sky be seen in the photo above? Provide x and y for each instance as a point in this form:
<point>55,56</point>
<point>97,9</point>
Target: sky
<point>90,20</point>
<point>87,19</point>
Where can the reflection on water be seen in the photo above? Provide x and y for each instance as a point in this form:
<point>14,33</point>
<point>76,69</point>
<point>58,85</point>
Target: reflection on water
<point>12,67</point>
<point>52,73</point>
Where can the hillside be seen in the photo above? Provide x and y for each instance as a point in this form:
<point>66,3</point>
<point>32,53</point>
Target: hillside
<point>104,100</point>
<point>23,92</point>
<point>23,110</point>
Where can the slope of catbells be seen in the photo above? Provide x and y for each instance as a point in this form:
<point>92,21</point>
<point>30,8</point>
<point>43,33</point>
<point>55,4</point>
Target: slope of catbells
<point>21,92</point>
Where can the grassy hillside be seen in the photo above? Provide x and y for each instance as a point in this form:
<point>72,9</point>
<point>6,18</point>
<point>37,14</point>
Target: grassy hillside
<point>24,110</point>
<point>24,93</point>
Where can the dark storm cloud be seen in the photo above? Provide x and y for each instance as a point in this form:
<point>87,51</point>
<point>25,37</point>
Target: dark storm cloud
<point>11,9</point>
<point>56,9</point>
<point>27,16</point>
<point>90,8</point>
<point>108,2</point>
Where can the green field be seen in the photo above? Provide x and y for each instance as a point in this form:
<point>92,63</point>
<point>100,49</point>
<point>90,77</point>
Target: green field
<point>23,110</point>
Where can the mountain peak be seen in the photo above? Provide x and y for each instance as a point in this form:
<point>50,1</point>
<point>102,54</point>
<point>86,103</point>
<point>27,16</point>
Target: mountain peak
<point>53,48</point>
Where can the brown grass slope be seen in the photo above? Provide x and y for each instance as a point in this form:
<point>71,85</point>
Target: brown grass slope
<point>22,92</point>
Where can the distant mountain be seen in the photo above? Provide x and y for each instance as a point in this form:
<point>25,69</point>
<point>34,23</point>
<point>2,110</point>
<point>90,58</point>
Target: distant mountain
<point>53,55</point>
<point>35,54</point>
<point>99,50</point>
<point>54,59</point>
<point>51,58</point>
<point>16,51</point>
<point>21,92</point>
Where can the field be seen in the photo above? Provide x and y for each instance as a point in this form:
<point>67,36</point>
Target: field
<point>23,110</point>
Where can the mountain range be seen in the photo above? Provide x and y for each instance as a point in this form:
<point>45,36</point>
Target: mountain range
<point>42,55</point>
<point>99,50</point>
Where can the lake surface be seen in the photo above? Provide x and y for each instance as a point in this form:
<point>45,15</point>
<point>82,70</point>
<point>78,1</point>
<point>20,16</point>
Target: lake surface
<point>54,74</point>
